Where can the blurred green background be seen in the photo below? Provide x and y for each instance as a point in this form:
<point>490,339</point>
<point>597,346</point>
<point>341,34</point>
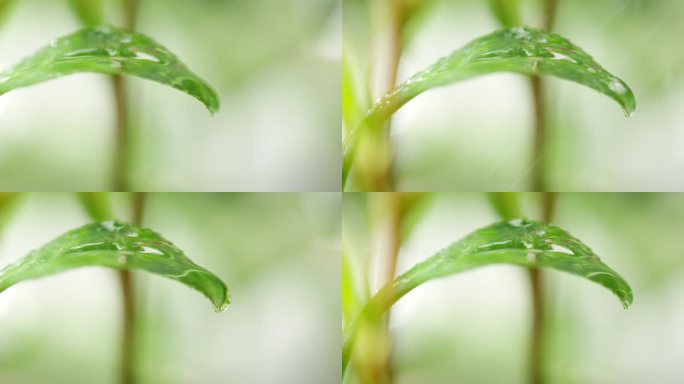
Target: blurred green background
<point>279,254</point>
<point>477,135</point>
<point>473,327</point>
<point>275,65</point>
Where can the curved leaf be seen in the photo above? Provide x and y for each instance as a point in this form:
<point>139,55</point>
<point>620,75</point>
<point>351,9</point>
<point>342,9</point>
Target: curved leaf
<point>120,246</point>
<point>521,50</point>
<point>526,243</point>
<point>520,242</point>
<point>112,51</point>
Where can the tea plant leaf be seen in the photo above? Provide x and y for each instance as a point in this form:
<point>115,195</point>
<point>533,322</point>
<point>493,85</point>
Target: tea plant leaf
<point>112,51</point>
<point>521,50</point>
<point>520,242</point>
<point>121,246</point>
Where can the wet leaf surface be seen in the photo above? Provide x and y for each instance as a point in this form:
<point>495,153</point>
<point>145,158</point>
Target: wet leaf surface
<point>520,50</point>
<point>120,246</point>
<point>113,51</point>
<point>526,243</point>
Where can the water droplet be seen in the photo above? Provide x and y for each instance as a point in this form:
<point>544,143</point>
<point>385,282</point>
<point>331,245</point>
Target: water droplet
<point>520,33</point>
<point>108,225</point>
<point>561,249</point>
<point>616,86</point>
<point>515,222</point>
<point>146,57</point>
<point>150,250</point>
<point>560,56</point>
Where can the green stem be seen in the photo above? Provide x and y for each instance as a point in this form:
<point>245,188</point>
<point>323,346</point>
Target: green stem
<point>536,362</point>
<point>392,233</point>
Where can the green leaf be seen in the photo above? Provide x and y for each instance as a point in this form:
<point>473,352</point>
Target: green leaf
<point>507,12</point>
<point>112,51</point>
<point>521,50</point>
<point>506,204</point>
<point>520,242</point>
<point>88,11</point>
<point>96,204</point>
<point>120,246</point>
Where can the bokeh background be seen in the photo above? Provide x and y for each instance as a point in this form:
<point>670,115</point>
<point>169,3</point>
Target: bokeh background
<point>473,327</point>
<point>275,65</point>
<point>476,135</point>
<point>279,254</point>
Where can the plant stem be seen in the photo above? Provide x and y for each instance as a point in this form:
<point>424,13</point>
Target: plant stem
<point>120,183</point>
<point>536,363</point>
<point>392,243</point>
<point>120,160</point>
<point>540,129</point>
<point>121,139</point>
<point>129,309</point>
<point>538,165</point>
<point>128,332</point>
<point>382,174</point>
<point>388,242</point>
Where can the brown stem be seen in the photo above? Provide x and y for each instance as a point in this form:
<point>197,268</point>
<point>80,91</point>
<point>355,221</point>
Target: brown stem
<point>536,337</point>
<point>120,183</point>
<point>128,332</point>
<point>121,138</point>
<point>383,178</point>
<point>120,164</point>
<point>131,11</point>
<point>392,240</point>
<point>536,362</point>
<point>550,12</point>
<point>129,307</point>
<point>538,160</point>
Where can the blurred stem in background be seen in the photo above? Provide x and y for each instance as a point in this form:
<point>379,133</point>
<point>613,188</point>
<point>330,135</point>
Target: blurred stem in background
<point>540,127</point>
<point>99,207</point>
<point>508,206</point>
<point>377,172</point>
<point>128,336</point>
<point>375,363</point>
<point>548,199</point>
<point>121,183</point>
<point>120,177</point>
